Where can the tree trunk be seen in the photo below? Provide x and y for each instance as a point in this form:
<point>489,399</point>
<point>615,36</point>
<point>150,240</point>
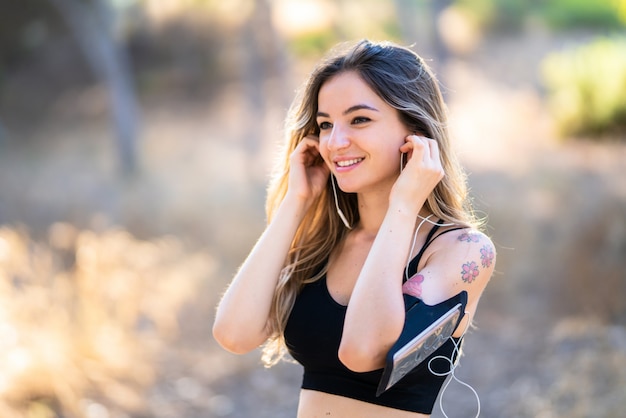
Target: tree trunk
<point>265,60</point>
<point>92,25</point>
<point>418,24</point>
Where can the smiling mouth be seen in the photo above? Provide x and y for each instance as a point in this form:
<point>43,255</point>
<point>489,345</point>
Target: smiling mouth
<point>348,163</point>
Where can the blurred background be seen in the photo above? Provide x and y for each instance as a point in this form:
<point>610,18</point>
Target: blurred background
<point>136,140</point>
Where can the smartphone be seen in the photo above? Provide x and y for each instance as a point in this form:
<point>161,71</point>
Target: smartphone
<point>426,328</point>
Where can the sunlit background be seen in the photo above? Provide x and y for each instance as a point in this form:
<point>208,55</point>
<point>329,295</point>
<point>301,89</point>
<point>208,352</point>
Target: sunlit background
<point>136,139</point>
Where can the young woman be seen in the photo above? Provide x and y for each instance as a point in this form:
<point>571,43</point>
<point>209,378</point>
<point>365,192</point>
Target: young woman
<point>368,203</point>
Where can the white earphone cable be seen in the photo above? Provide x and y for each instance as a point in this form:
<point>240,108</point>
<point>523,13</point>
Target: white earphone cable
<point>453,365</point>
<point>456,351</point>
<point>339,212</point>
<point>426,219</point>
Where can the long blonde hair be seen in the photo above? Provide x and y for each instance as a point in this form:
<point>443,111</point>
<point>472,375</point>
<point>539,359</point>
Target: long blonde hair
<point>402,79</point>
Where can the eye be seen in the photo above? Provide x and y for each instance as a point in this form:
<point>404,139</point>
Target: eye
<point>360,119</point>
<point>325,125</point>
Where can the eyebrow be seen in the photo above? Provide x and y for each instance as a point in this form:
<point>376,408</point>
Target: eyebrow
<point>350,110</point>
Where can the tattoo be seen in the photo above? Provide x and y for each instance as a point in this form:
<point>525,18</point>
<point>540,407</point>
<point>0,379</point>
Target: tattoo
<point>469,237</point>
<point>486,256</point>
<point>469,271</point>
<point>413,286</point>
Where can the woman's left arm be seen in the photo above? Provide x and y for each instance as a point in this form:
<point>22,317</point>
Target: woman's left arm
<point>456,261</point>
<point>375,313</point>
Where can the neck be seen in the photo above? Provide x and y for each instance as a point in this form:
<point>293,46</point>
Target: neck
<point>372,211</point>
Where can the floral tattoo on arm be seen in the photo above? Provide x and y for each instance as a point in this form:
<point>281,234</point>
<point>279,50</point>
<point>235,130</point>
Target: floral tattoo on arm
<point>486,256</point>
<point>470,270</point>
<point>469,237</point>
<point>413,286</point>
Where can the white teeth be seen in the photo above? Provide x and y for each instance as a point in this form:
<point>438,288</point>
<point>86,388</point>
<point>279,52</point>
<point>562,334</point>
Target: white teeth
<point>347,163</point>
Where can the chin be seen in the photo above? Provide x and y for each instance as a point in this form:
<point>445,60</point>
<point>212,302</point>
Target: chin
<point>348,187</point>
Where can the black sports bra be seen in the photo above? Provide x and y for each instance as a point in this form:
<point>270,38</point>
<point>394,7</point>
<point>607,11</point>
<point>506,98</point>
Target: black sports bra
<point>313,334</point>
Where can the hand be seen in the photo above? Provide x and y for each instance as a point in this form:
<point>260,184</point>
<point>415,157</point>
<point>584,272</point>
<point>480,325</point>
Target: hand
<point>422,172</point>
<point>308,173</point>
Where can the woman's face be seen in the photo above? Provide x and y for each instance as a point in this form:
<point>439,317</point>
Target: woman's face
<point>360,135</point>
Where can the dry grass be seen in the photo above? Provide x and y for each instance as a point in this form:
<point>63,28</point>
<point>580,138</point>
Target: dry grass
<point>84,316</point>
<point>587,362</point>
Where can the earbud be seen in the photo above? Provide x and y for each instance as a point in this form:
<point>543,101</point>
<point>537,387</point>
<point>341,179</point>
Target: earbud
<point>339,212</point>
<point>343,219</point>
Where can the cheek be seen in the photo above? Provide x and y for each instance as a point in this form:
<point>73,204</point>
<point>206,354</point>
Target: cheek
<point>391,140</point>
<point>324,152</point>
<point>392,157</point>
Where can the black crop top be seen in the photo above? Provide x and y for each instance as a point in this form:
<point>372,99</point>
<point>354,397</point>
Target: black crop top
<point>313,334</point>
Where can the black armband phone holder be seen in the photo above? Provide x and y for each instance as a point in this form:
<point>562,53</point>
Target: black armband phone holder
<point>426,328</point>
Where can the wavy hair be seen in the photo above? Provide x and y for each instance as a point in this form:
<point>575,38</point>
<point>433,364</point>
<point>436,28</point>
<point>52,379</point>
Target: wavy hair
<point>403,80</point>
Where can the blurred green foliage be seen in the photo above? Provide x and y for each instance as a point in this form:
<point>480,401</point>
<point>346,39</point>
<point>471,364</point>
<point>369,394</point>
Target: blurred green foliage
<point>587,87</point>
<point>497,15</point>
<point>316,43</point>
<point>507,15</point>
<point>312,43</point>
<point>597,14</point>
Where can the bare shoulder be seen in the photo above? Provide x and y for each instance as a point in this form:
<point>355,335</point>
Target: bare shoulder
<point>481,254</point>
<point>471,247</point>
<point>462,240</point>
<point>462,259</point>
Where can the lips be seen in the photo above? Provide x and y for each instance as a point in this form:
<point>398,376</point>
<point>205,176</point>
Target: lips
<point>348,163</point>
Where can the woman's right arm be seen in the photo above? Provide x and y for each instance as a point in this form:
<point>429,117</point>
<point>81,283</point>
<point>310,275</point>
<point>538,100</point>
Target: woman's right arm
<point>242,314</point>
<point>241,319</point>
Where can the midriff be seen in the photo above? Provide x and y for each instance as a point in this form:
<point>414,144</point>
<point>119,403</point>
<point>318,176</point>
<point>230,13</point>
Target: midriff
<point>315,404</point>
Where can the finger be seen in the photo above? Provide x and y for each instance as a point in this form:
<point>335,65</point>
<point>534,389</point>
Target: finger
<point>419,146</point>
<point>435,155</point>
<point>310,150</point>
<point>308,143</point>
<point>410,148</point>
<point>407,146</point>
<point>431,149</point>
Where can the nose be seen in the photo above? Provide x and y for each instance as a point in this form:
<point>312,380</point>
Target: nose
<point>338,138</point>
